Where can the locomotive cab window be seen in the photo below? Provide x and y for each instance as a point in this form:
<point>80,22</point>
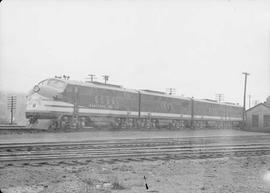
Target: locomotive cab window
<point>43,83</point>
<point>58,84</point>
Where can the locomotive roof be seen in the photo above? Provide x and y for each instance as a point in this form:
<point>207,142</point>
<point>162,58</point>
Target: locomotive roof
<point>89,84</point>
<point>148,92</point>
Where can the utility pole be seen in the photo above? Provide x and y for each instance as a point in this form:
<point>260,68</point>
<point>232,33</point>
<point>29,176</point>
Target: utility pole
<point>255,102</point>
<point>219,97</point>
<point>249,100</point>
<point>92,76</point>
<point>245,88</point>
<point>192,114</point>
<point>171,91</point>
<point>106,78</point>
<point>12,106</point>
<point>75,117</point>
<point>139,107</point>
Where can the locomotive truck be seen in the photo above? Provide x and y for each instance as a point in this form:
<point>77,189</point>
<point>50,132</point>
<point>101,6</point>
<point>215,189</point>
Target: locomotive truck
<point>58,103</point>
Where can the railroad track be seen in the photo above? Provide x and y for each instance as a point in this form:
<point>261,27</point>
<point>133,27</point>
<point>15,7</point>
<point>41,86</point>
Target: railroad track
<point>12,126</point>
<point>18,129</point>
<point>130,150</point>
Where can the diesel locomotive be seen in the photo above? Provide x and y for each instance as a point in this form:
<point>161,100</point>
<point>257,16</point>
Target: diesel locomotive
<point>58,103</point>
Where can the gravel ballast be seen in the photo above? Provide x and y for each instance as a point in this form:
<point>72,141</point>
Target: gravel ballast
<point>222,175</point>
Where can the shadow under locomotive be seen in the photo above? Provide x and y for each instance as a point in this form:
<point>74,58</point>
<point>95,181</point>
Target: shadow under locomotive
<point>56,103</point>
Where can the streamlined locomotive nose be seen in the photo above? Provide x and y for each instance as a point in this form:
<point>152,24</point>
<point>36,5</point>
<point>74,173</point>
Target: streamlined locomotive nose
<point>47,92</point>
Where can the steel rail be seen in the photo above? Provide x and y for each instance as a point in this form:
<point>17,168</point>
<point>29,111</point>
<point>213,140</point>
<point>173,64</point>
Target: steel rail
<point>133,152</point>
<point>12,126</point>
<point>190,154</point>
<point>133,149</point>
<point>192,139</point>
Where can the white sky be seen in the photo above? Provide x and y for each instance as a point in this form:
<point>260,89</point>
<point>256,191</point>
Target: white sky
<point>198,47</point>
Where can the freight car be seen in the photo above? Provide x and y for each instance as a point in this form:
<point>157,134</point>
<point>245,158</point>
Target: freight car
<point>65,103</point>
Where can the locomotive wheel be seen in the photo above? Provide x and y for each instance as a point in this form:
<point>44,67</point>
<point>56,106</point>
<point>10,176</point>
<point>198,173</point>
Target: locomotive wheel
<point>123,124</point>
<point>178,126</point>
<point>116,124</point>
<point>33,120</point>
<point>155,123</point>
<point>148,124</point>
<point>54,125</point>
<point>135,123</point>
<point>66,122</point>
<point>142,123</point>
<point>172,125</point>
<point>82,122</point>
<point>130,123</point>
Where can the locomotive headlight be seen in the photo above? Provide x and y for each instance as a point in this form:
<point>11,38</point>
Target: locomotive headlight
<point>36,88</point>
<point>58,97</point>
<point>34,101</point>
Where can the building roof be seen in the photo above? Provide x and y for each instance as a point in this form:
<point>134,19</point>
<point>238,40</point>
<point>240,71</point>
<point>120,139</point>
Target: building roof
<point>264,104</point>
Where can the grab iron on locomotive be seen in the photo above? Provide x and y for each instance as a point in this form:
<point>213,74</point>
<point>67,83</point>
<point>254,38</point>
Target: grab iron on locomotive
<point>57,103</point>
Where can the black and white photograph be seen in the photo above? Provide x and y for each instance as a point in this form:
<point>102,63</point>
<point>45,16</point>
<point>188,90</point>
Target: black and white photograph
<point>135,96</point>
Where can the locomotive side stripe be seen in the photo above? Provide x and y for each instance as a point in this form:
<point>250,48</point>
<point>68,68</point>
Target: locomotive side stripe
<point>109,112</point>
<point>60,106</point>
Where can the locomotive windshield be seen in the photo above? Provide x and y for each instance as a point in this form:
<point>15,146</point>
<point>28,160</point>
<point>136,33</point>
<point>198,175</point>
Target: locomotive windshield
<point>58,84</point>
<point>53,83</point>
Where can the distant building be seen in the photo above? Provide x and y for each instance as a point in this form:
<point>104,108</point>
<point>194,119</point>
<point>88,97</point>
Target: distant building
<point>268,100</point>
<point>258,117</point>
